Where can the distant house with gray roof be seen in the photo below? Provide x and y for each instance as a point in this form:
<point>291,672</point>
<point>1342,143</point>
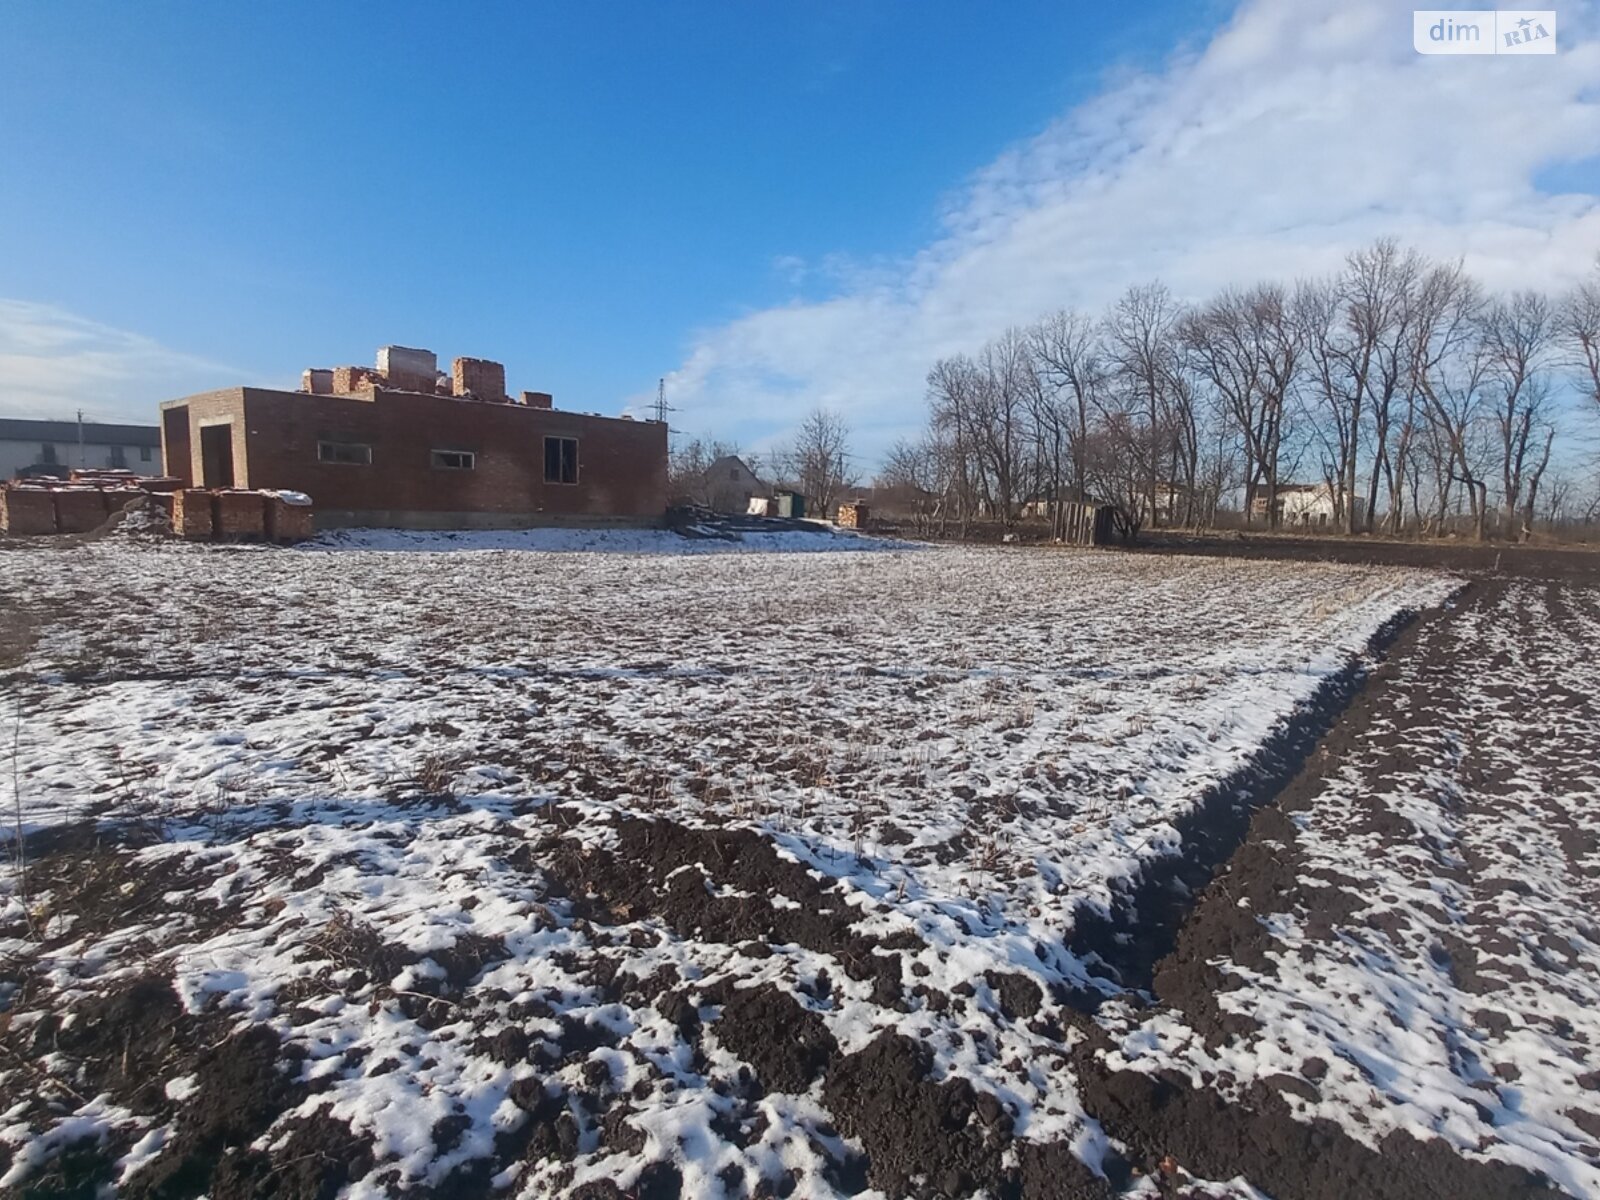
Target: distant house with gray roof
<point>31,447</point>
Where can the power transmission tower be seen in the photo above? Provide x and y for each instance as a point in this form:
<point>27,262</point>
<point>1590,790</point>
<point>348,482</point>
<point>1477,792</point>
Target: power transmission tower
<point>661,405</point>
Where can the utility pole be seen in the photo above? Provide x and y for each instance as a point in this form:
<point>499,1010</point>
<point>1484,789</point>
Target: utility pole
<point>81,463</point>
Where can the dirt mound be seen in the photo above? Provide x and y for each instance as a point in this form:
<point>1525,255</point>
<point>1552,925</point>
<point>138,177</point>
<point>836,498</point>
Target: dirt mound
<point>661,868</point>
<point>241,1088</point>
<point>81,1170</point>
<point>125,1042</point>
<point>926,1139</point>
<point>1165,1120</point>
<point>786,1045</point>
<point>319,1158</point>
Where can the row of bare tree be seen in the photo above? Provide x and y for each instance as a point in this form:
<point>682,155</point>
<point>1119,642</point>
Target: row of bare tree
<point>1416,399</point>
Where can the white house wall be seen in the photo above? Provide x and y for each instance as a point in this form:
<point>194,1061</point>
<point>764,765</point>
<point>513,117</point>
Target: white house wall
<point>18,456</point>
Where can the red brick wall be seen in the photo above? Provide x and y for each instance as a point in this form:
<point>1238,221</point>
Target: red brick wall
<point>289,522</point>
<point>478,377</point>
<point>622,465</point>
<point>78,510</point>
<point>27,511</point>
<point>238,514</point>
<point>191,513</point>
<point>354,379</point>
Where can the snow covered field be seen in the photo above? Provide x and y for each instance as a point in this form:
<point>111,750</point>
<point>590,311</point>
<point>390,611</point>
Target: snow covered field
<point>1427,958</point>
<point>608,873</point>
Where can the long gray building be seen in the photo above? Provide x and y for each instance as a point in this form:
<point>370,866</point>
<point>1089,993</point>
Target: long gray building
<point>29,447</point>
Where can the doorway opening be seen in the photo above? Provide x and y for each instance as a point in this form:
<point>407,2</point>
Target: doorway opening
<point>216,456</point>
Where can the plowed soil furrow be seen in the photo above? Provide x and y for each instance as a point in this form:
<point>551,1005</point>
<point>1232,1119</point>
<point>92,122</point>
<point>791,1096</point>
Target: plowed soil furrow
<point>1031,876</point>
<point>1393,985</point>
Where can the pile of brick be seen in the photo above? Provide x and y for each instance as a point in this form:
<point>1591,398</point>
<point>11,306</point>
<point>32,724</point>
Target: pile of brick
<point>408,369</point>
<point>236,514</point>
<point>34,508</point>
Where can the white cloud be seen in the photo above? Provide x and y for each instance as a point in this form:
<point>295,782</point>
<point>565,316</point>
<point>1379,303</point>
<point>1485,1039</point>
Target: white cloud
<point>1302,130</point>
<point>54,363</point>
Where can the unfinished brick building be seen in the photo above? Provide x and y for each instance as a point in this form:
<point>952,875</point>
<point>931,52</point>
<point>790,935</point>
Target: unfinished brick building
<point>404,445</point>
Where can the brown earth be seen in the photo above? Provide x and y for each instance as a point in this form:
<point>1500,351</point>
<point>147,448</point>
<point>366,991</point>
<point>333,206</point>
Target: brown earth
<point>919,1137</point>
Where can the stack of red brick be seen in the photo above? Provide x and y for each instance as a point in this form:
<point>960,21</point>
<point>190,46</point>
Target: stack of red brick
<point>33,508</point>
<point>236,514</point>
<point>84,503</point>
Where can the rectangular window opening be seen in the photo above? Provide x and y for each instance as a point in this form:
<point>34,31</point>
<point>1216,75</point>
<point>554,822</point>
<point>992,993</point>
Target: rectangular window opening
<point>454,460</point>
<point>354,454</point>
<point>560,460</point>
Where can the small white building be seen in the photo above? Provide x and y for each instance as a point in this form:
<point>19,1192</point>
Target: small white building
<point>1300,506</point>
<point>29,447</point>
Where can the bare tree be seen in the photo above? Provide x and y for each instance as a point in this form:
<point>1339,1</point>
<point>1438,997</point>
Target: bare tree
<point>818,460</point>
<point>1331,397</point>
<point>1116,462</point>
<point>1357,333</point>
<point>913,478</point>
<point>1070,362</point>
<point>1518,335</point>
<point>986,411</point>
<point>1140,346</point>
<point>1247,347</point>
<point>953,388</point>
<point>1381,283</point>
<point>1006,383</point>
<point>1578,326</point>
<point>1450,370</point>
<point>1183,434</point>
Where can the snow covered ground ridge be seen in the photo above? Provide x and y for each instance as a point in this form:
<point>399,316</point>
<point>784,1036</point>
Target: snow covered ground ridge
<point>698,540</point>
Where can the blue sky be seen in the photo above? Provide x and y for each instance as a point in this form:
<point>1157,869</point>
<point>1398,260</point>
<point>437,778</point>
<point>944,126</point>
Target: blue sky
<point>773,205</point>
<point>573,188</point>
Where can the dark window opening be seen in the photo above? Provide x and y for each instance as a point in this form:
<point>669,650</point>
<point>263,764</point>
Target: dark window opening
<point>144,453</point>
<point>454,460</point>
<point>353,454</point>
<point>560,460</point>
<point>47,455</point>
<point>119,457</point>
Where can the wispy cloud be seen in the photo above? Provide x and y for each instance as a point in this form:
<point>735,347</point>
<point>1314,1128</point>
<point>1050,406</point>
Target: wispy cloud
<point>1301,130</point>
<point>53,363</point>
